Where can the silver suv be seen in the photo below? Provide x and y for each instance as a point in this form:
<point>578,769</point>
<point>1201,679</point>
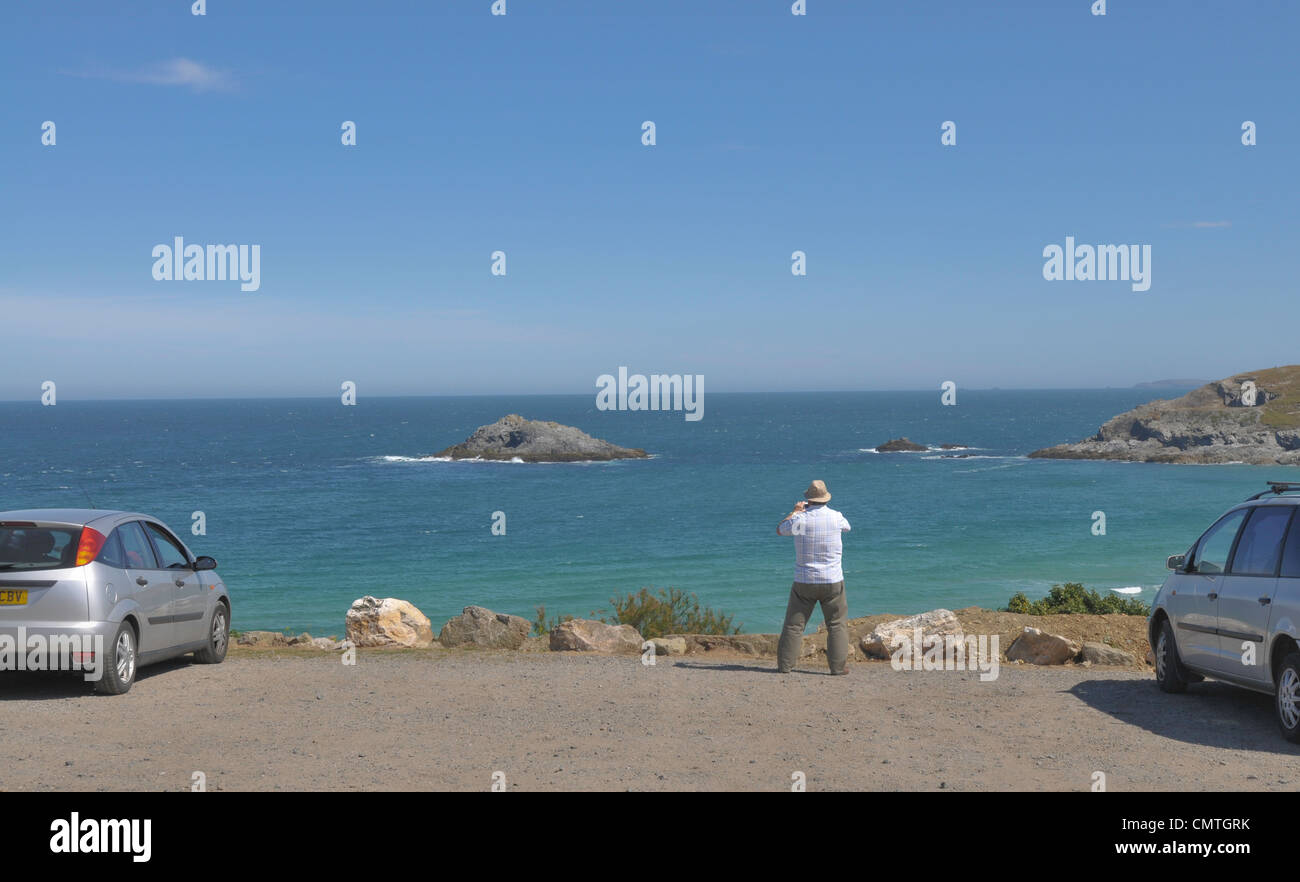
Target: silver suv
<point>106,592</point>
<point>1231,607</point>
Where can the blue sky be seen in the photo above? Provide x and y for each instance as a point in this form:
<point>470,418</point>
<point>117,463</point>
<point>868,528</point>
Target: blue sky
<point>522,133</point>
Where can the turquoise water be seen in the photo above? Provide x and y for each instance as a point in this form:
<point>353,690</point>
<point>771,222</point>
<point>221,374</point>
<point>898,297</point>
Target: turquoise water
<point>310,504</point>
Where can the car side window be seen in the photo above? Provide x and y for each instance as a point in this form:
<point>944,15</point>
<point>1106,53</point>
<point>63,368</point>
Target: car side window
<point>111,554</point>
<point>1215,546</point>
<point>136,548</point>
<point>1291,552</point>
<point>170,553</point>
<point>1260,544</point>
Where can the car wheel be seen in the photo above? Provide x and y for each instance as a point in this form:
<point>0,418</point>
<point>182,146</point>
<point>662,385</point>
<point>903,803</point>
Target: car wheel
<point>1286,697</point>
<point>218,638</point>
<point>1170,673</point>
<point>119,663</point>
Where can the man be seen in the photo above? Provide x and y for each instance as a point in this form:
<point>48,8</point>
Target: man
<point>817,578</point>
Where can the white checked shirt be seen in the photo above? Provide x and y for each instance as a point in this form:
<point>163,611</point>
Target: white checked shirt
<point>817,547</point>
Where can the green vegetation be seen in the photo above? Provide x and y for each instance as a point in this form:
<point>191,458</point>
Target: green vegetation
<point>1072,597</point>
<point>1282,412</point>
<point>543,626</point>
<point>653,615</point>
<point>669,612</point>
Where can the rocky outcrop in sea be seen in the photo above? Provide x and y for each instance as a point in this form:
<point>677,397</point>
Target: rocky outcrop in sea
<point>1249,418</point>
<point>513,437</point>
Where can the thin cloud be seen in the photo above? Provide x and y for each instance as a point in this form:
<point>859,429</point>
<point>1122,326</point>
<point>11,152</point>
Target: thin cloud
<point>183,72</point>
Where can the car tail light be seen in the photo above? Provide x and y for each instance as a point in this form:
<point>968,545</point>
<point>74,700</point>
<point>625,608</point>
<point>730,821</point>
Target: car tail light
<point>88,548</point>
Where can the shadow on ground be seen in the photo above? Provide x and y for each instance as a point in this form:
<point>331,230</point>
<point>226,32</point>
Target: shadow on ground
<point>769,669</point>
<point>46,686</point>
<point>1208,713</point>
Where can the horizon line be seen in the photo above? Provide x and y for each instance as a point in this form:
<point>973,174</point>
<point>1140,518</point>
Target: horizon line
<point>1140,387</point>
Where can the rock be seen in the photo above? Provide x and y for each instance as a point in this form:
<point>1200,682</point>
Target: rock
<point>585,635</point>
<point>741,644</point>
<point>1101,654</point>
<point>303,638</point>
<point>513,437</point>
<point>887,637</point>
<point>1249,418</point>
<point>1151,657</point>
<point>669,645</point>
<point>477,626</point>
<point>387,622</point>
<point>901,445</point>
<point>263,638</point>
<point>1040,648</point>
<point>324,643</point>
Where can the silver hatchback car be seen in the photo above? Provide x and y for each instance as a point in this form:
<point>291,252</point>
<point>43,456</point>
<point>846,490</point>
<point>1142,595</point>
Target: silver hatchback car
<point>1231,608</point>
<point>106,592</point>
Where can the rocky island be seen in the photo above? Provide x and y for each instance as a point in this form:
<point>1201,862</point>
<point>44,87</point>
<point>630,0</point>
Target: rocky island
<point>1249,418</point>
<point>907,445</point>
<point>901,445</point>
<point>513,437</point>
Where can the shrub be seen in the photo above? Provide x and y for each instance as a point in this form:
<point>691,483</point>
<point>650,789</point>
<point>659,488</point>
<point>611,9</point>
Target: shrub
<point>668,612</point>
<point>1072,597</point>
<point>543,626</point>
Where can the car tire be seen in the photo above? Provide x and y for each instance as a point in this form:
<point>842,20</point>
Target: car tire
<point>1286,697</point>
<point>218,638</point>
<point>1170,673</point>
<point>119,662</point>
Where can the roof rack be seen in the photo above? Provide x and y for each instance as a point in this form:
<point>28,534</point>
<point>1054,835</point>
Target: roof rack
<point>1277,488</point>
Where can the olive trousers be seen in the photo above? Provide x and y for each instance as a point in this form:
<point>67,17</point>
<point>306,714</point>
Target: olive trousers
<point>835,608</point>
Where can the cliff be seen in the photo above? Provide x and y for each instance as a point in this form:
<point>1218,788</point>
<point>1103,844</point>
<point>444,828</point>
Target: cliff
<point>1252,417</point>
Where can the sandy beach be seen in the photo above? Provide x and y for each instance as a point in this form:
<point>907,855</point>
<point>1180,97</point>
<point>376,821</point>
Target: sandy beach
<point>291,719</point>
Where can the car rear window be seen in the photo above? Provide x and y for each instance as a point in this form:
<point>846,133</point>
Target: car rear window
<point>112,555</point>
<point>38,548</point>
<point>1260,544</point>
<point>1291,552</point>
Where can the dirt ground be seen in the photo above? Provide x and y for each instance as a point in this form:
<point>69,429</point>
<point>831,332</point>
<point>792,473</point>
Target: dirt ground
<point>290,719</point>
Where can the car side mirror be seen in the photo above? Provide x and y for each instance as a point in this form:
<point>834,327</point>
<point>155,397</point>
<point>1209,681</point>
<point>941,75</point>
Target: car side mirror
<point>204,563</point>
<point>1176,561</point>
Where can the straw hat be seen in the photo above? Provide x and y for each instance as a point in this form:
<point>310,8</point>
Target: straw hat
<point>817,492</point>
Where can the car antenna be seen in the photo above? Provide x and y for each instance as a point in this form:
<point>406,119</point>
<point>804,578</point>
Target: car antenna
<point>87,495</point>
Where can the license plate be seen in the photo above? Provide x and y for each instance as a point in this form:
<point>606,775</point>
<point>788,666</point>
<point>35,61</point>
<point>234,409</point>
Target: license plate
<point>9,597</point>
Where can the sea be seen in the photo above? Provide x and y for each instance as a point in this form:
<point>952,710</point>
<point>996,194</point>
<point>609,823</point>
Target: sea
<point>309,504</point>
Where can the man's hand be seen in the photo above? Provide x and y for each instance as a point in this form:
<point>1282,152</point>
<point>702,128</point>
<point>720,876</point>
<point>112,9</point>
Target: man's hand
<point>798,507</point>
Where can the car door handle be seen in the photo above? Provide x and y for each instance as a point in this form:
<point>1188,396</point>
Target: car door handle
<point>141,580</point>
<point>1213,595</point>
<point>180,583</point>
<point>1265,601</point>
